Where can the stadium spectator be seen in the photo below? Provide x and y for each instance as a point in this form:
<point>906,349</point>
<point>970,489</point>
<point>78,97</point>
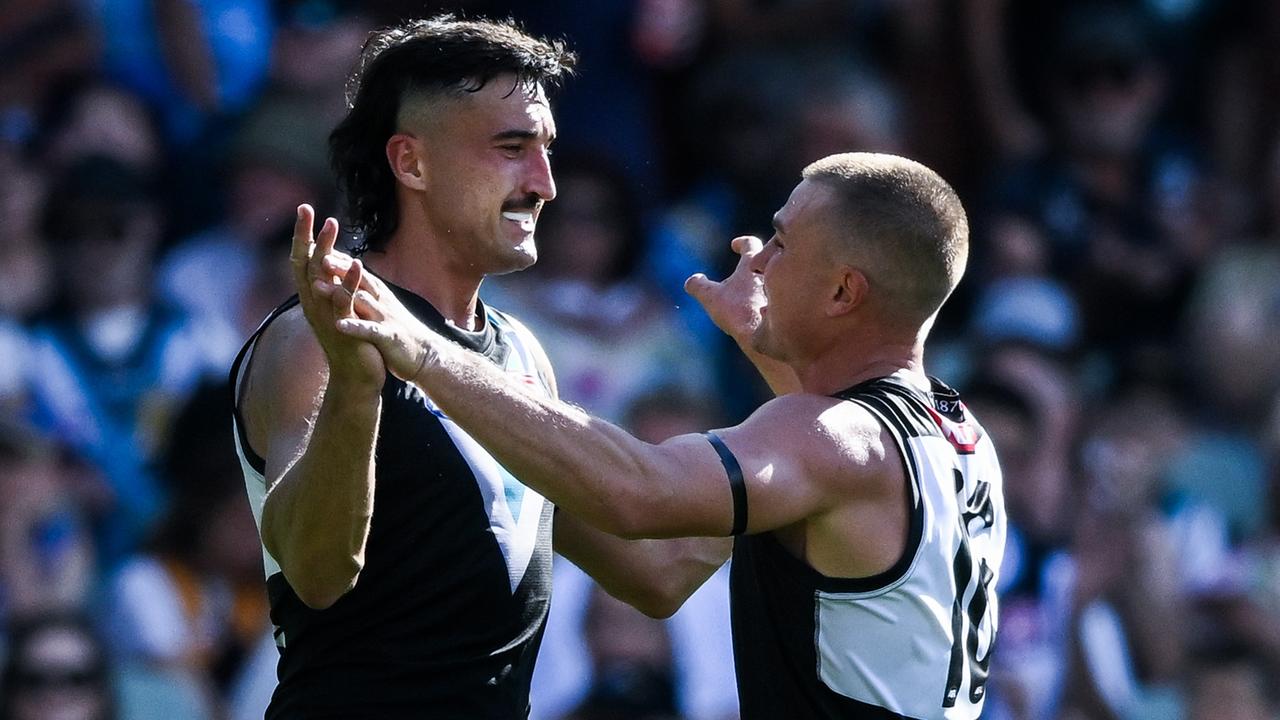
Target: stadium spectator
<point>46,554</point>
<point>55,669</point>
<point>276,161</point>
<point>631,673</point>
<point>87,117</point>
<point>1117,195</point>
<point>1230,685</point>
<point>42,43</point>
<point>108,363</point>
<point>189,609</point>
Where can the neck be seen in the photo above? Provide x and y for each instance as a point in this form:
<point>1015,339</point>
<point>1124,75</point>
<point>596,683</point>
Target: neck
<point>851,363</point>
<point>416,261</point>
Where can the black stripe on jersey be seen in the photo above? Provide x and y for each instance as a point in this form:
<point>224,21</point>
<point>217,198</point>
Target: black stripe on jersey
<point>913,402</point>
<point>915,405</point>
<point>890,413</point>
<point>255,460</point>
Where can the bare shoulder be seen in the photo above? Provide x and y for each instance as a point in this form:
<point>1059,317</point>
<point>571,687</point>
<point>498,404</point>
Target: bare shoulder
<point>286,349</point>
<point>285,376</point>
<point>839,443</point>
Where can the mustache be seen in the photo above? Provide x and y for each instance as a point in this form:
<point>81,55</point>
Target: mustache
<point>528,202</point>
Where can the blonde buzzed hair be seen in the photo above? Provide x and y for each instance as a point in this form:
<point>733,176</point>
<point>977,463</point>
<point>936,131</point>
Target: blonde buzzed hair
<point>901,224</point>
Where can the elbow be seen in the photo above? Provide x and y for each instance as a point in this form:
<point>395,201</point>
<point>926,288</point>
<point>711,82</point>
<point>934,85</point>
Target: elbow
<point>658,600</point>
<point>660,606</point>
<point>322,595</point>
<point>662,599</point>
<point>320,587</point>
<point>318,578</point>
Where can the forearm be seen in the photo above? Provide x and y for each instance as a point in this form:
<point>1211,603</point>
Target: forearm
<point>653,576</point>
<point>316,517</point>
<point>584,465</point>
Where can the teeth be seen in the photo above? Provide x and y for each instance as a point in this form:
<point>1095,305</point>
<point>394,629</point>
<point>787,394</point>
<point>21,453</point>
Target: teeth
<point>525,219</point>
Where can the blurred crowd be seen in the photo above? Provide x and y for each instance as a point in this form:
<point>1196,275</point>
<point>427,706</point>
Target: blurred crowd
<point>1118,330</point>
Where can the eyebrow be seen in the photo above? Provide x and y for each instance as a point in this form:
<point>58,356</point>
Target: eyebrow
<point>516,134</point>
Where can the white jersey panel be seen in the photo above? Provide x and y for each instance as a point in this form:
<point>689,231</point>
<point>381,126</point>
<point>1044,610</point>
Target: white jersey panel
<point>915,649</point>
<point>256,487</point>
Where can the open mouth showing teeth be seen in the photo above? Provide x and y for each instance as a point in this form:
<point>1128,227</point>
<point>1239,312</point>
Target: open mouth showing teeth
<point>524,219</point>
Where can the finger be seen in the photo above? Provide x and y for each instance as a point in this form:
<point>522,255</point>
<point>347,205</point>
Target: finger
<point>338,298</point>
<point>350,284</point>
<point>373,285</point>
<point>325,288</point>
<point>366,330</point>
<point>746,245</point>
<point>336,264</point>
<point>324,245</point>
<point>300,250</point>
<point>699,286</point>
<point>367,307</point>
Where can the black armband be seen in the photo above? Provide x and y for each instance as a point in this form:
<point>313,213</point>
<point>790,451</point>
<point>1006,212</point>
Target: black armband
<point>737,485</point>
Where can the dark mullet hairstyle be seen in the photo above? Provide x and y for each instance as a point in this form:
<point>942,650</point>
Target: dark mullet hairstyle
<point>429,55</point>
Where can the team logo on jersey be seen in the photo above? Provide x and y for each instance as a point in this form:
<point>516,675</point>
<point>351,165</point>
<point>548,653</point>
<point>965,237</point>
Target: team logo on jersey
<point>963,436</point>
<point>415,394</point>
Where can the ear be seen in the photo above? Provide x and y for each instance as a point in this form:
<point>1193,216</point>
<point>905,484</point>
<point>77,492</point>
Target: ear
<point>850,292</point>
<point>407,160</point>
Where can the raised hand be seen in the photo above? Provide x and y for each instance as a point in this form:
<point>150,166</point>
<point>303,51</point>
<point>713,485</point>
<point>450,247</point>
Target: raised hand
<point>365,309</point>
<point>733,303</point>
<point>349,359</point>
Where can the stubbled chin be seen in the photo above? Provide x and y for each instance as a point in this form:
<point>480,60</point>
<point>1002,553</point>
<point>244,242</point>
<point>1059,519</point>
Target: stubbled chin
<point>518,258</point>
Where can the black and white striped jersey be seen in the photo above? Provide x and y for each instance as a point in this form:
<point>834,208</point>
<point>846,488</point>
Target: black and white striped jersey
<point>912,642</point>
<point>447,616</point>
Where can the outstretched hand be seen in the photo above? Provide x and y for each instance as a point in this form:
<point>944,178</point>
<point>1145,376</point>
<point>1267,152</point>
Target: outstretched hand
<point>348,358</point>
<point>365,309</point>
<point>733,303</point>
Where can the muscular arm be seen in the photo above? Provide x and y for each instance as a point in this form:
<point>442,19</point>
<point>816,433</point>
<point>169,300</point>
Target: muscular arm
<point>801,455</point>
<point>653,576</point>
<point>628,487</point>
<point>317,435</point>
<point>313,400</point>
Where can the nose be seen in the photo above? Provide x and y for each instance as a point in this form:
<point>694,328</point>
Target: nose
<point>761,259</point>
<point>538,178</point>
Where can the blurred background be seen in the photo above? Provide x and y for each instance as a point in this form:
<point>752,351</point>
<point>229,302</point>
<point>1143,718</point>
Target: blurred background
<point>1118,330</point>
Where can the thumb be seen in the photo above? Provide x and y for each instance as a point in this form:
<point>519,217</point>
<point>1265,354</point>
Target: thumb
<point>698,286</point>
<point>746,245</point>
<point>362,330</point>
